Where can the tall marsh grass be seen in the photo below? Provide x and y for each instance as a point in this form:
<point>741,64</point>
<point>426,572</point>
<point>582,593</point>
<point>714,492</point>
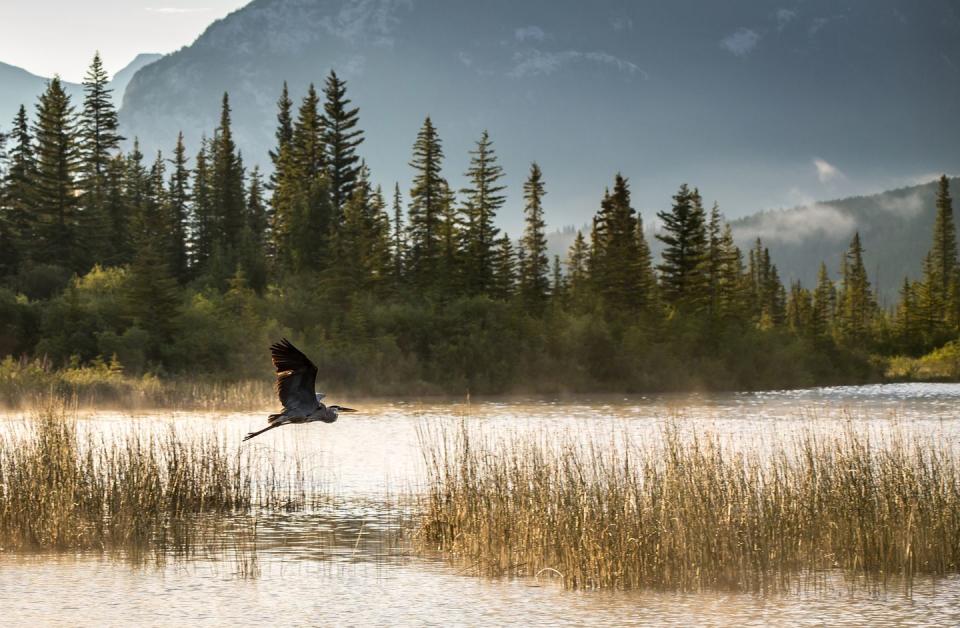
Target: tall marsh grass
<point>64,488</point>
<point>688,512</point>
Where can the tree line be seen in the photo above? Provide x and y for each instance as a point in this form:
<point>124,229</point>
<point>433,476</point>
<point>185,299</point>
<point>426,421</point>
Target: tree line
<point>175,263</point>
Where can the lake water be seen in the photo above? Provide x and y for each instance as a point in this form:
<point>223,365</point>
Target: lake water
<point>348,562</point>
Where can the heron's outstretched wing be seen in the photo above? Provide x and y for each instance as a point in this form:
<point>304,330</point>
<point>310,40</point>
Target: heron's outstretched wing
<point>296,377</point>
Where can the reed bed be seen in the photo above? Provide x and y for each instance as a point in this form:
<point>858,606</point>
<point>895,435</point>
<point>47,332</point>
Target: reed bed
<point>688,512</point>
<point>63,488</point>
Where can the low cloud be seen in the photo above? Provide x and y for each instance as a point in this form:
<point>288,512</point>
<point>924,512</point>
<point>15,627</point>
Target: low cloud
<point>793,226</point>
<point>741,42</point>
<point>622,24</point>
<point>536,62</point>
<point>826,171</point>
<point>908,206</point>
<point>529,33</point>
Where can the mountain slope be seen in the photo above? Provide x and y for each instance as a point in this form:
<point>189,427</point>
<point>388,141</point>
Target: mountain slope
<point>736,97</point>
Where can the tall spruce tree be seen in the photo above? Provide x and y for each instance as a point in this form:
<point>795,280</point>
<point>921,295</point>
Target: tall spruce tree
<point>226,185</point>
<point>55,189</point>
<point>616,261</point>
<point>482,201</point>
<point>731,298</point>
<point>309,150</point>
<point>98,141</point>
<point>824,304</point>
<point>940,269</point>
<point>203,217</point>
<point>18,190</point>
<point>578,273</point>
<point>685,247</point>
<point>425,216</point>
<point>857,307</point>
<point>534,284</point>
<point>399,249</point>
<point>178,199</point>
<point>504,269</point>
<point>342,137</point>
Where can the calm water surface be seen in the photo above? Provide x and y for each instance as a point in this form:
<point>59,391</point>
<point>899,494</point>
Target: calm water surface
<point>348,562</point>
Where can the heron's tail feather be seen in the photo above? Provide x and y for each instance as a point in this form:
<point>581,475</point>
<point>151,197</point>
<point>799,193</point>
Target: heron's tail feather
<point>273,417</point>
<point>258,432</point>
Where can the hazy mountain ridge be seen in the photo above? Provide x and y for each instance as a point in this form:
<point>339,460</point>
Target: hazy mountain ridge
<point>741,108</point>
<point>19,87</point>
<point>896,228</point>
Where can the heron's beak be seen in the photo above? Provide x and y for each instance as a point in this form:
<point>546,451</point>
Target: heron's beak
<point>342,409</point>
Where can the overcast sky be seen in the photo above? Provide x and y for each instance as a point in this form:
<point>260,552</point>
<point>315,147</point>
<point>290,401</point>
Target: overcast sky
<point>48,37</point>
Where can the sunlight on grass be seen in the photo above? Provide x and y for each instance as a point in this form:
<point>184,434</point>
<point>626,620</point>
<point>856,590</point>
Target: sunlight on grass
<point>689,512</point>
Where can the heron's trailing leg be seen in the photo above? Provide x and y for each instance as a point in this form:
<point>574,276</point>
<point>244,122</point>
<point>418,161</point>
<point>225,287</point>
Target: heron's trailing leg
<point>258,432</point>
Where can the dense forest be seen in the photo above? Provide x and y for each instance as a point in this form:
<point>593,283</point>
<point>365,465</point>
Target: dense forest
<point>191,264</point>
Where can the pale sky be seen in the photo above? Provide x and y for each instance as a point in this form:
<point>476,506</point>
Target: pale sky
<point>48,37</point>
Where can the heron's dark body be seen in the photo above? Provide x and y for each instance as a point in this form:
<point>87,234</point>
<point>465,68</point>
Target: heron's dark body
<point>296,379</point>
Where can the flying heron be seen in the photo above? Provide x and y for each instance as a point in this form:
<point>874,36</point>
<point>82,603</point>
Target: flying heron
<point>296,378</point>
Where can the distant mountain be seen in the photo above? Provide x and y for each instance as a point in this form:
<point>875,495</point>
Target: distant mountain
<point>739,97</point>
<point>122,78</point>
<point>896,228</point>
<point>19,87</point>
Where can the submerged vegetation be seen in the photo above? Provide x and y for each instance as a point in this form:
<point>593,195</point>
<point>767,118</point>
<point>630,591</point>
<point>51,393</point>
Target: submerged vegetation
<point>191,264</point>
<point>690,513</point>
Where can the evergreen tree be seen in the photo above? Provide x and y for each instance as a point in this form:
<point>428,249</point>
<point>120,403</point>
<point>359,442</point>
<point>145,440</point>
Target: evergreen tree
<point>857,307</point>
<point>940,269</point>
<point>730,282</point>
<point>558,285</point>
<point>617,263</point>
<point>309,150</point>
<point>18,189</point>
<point>283,180</point>
<point>577,269</point>
<point>55,188</point>
<point>824,304</point>
<point>909,323</point>
<point>363,241</point>
<point>341,137</point>
<point>99,128</point>
<point>117,209</point>
<point>9,254</point>
<point>713,262</point>
<point>178,198</point>
<point>226,185</point>
<point>284,135</point>
<point>685,242</point>
<point>203,217</point>
<point>482,200</point>
<point>428,197</point>
<point>534,284</point>
<point>251,258</point>
<point>399,250</point>
<point>504,269</point>
<point>98,141</point>
<point>799,309</point>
